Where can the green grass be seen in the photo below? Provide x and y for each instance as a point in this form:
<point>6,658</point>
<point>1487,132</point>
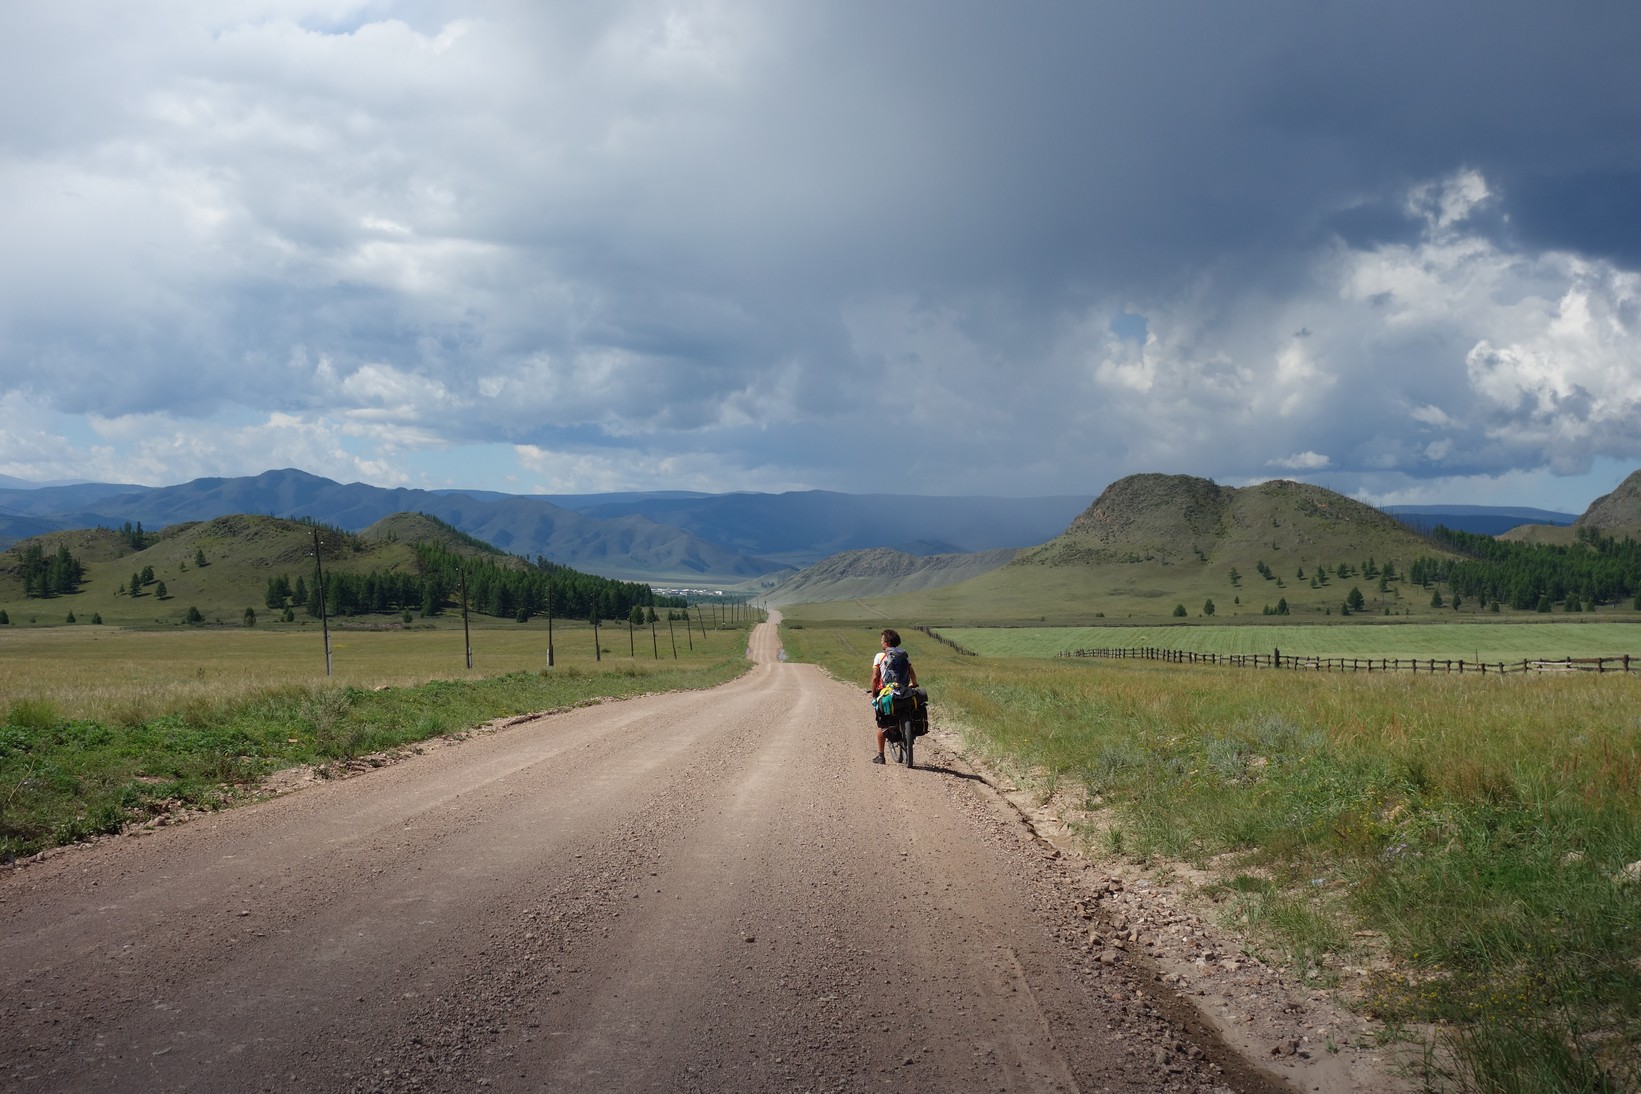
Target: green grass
<point>1479,641</point>
<point>1481,827</point>
<point>100,728</point>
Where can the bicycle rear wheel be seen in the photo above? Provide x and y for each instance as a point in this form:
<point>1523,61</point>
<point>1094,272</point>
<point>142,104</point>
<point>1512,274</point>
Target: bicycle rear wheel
<point>893,741</point>
<point>907,736</point>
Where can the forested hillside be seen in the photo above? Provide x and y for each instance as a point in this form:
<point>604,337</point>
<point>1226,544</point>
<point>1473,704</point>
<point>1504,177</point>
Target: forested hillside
<point>230,568</point>
<point>1595,570</point>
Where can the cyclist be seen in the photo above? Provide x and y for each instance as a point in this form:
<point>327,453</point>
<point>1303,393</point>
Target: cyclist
<point>892,667</point>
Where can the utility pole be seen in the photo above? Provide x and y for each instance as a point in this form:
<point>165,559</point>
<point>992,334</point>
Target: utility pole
<point>324,620</point>
<point>549,626</point>
<point>467,635</point>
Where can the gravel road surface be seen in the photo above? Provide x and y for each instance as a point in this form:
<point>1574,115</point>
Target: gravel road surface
<point>707,891</point>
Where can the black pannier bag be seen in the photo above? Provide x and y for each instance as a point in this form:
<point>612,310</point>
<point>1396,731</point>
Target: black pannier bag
<point>913,700</point>
<point>916,702</point>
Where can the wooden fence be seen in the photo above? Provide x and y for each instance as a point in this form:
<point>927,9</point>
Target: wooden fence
<point>1276,659</point>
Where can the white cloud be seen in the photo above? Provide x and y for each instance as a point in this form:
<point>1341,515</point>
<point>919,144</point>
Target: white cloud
<point>1303,461</point>
<point>722,243</point>
<point>1445,203</point>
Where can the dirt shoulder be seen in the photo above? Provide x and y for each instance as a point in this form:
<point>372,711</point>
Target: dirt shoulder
<point>1302,1034</point>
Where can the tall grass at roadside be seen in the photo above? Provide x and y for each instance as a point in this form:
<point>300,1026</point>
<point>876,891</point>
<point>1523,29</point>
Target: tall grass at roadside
<point>1483,828</point>
<point>186,731</point>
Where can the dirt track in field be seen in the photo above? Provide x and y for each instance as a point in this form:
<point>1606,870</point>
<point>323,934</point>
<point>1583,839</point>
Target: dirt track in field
<point>701,891</point>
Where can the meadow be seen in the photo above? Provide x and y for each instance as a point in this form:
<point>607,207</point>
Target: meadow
<point>1474,841</point>
<point>1479,641</point>
<point>102,727</point>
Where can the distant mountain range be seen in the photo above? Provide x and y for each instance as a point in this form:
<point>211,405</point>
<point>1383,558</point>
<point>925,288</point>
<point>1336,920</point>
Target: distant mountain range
<point>661,537</point>
<point>679,537</point>
<point>1483,520</point>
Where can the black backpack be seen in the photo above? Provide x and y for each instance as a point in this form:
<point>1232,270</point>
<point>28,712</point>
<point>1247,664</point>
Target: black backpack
<point>897,669</point>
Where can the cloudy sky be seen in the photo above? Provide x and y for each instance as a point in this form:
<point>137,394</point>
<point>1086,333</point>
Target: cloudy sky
<point>929,246</point>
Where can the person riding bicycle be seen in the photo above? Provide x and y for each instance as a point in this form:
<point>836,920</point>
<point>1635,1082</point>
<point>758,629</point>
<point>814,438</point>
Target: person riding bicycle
<point>892,667</point>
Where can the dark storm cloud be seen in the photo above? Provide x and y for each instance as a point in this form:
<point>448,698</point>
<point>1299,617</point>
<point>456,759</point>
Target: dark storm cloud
<point>1596,213</point>
<point>703,243</point>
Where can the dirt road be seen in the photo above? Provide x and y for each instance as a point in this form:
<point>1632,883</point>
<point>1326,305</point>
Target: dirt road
<point>699,891</point>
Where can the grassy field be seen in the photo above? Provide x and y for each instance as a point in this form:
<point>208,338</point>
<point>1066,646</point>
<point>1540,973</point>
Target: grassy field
<point>1472,641</point>
<point>1484,833</point>
<point>89,671</point>
<point>101,727</point>
<point>1109,596</point>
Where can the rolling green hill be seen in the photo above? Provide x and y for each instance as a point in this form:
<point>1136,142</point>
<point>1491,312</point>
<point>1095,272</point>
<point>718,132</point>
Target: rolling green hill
<point>1616,514</point>
<point>221,567</point>
<point>240,554</point>
<point>1150,543</point>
